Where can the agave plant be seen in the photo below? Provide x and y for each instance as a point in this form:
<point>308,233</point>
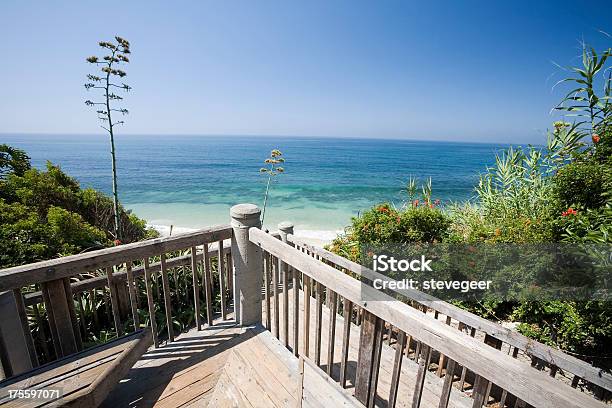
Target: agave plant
<point>272,171</point>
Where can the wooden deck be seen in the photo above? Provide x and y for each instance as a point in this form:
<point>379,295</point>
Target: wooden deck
<point>228,365</point>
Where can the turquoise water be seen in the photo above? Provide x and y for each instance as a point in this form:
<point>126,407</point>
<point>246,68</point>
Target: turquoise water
<point>191,181</point>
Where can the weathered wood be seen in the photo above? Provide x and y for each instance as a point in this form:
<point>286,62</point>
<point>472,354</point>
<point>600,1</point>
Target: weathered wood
<point>378,343</point>
<point>296,310</point>
<point>318,322</point>
<point>222,289</point>
<point>51,320</point>
<point>132,292</point>
<point>19,276</point>
<point>27,333</point>
<point>371,331</point>
<point>479,394</point>
<point>549,354</point>
<point>346,334</point>
<point>397,368</point>
<point>114,301</point>
<point>306,330</point>
<point>266,282</point>
<point>167,298</point>
<point>442,359</point>
<point>331,334</point>
<point>275,276</point>
<point>72,312</point>
<point>150,304</point>
<point>207,284</point>
<point>196,287</point>
<point>285,282</point>
<point>534,387</point>
<point>61,317</point>
<point>420,381</point>
<point>448,384</point>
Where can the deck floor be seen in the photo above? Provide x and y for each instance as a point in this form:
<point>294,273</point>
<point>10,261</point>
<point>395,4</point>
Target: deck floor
<point>227,365</point>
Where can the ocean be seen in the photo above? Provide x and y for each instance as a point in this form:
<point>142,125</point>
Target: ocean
<point>192,181</point>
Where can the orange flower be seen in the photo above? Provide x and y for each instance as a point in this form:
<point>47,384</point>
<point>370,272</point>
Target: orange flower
<point>497,232</point>
<point>117,242</point>
<point>596,138</point>
<point>569,211</point>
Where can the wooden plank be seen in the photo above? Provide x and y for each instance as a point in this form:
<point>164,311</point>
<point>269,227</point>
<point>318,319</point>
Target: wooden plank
<point>370,332</point>
<point>19,276</point>
<point>51,320</point>
<point>321,390</point>
<point>479,394</point>
<point>397,368</point>
<point>114,301</point>
<point>150,304</point>
<point>100,388</point>
<point>132,292</point>
<point>442,359</point>
<point>196,288</point>
<point>296,310</point>
<point>285,282</point>
<point>121,275</point>
<point>331,334</point>
<point>167,299</point>
<point>274,265</point>
<point>420,381</point>
<point>72,312</point>
<point>549,354</point>
<point>318,318</point>
<point>25,326</point>
<point>221,271</point>
<point>448,384</point>
<point>61,316</point>
<point>534,387</point>
<point>346,334</point>
<point>207,283</point>
<point>306,330</point>
<point>378,343</point>
<point>267,268</point>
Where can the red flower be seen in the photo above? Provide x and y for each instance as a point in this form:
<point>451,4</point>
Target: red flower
<point>415,203</point>
<point>383,209</point>
<point>569,211</point>
<point>117,242</point>
<point>596,138</point>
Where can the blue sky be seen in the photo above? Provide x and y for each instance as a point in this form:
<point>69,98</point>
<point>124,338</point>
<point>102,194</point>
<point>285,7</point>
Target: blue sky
<point>447,70</point>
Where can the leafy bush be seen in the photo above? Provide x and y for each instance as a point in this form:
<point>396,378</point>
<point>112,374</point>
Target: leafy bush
<point>383,223</point>
<point>582,184</point>
<point>45,214</point>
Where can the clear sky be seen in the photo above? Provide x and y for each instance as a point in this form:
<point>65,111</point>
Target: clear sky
<point>447,70</point>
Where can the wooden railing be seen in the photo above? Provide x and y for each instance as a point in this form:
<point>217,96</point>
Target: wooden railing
<point>125,277</point>
<point>464,355</point>
<point>554,362</point>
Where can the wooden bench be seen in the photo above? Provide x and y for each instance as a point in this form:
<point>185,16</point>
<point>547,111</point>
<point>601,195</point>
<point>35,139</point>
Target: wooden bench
<point>80,380</point>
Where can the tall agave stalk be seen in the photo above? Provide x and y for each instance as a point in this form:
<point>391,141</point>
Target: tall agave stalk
<point>272,171</point>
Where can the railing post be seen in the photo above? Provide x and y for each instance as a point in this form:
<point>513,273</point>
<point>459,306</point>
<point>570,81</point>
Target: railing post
<point>285,228</point>
<point>248,264</point>
<point>13,339</point>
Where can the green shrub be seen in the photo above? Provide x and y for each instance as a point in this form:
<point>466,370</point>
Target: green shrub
<point>582,184</point>
<point>45,214</point>
<point>384,224</point>
<point>71,232</point>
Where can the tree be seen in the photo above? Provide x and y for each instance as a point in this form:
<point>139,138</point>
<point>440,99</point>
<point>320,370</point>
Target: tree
<point>13,160</point>
<point>274,160</point>
<point>116,54</point>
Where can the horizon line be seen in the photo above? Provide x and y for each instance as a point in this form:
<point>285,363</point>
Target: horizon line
<point>317,137</point>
